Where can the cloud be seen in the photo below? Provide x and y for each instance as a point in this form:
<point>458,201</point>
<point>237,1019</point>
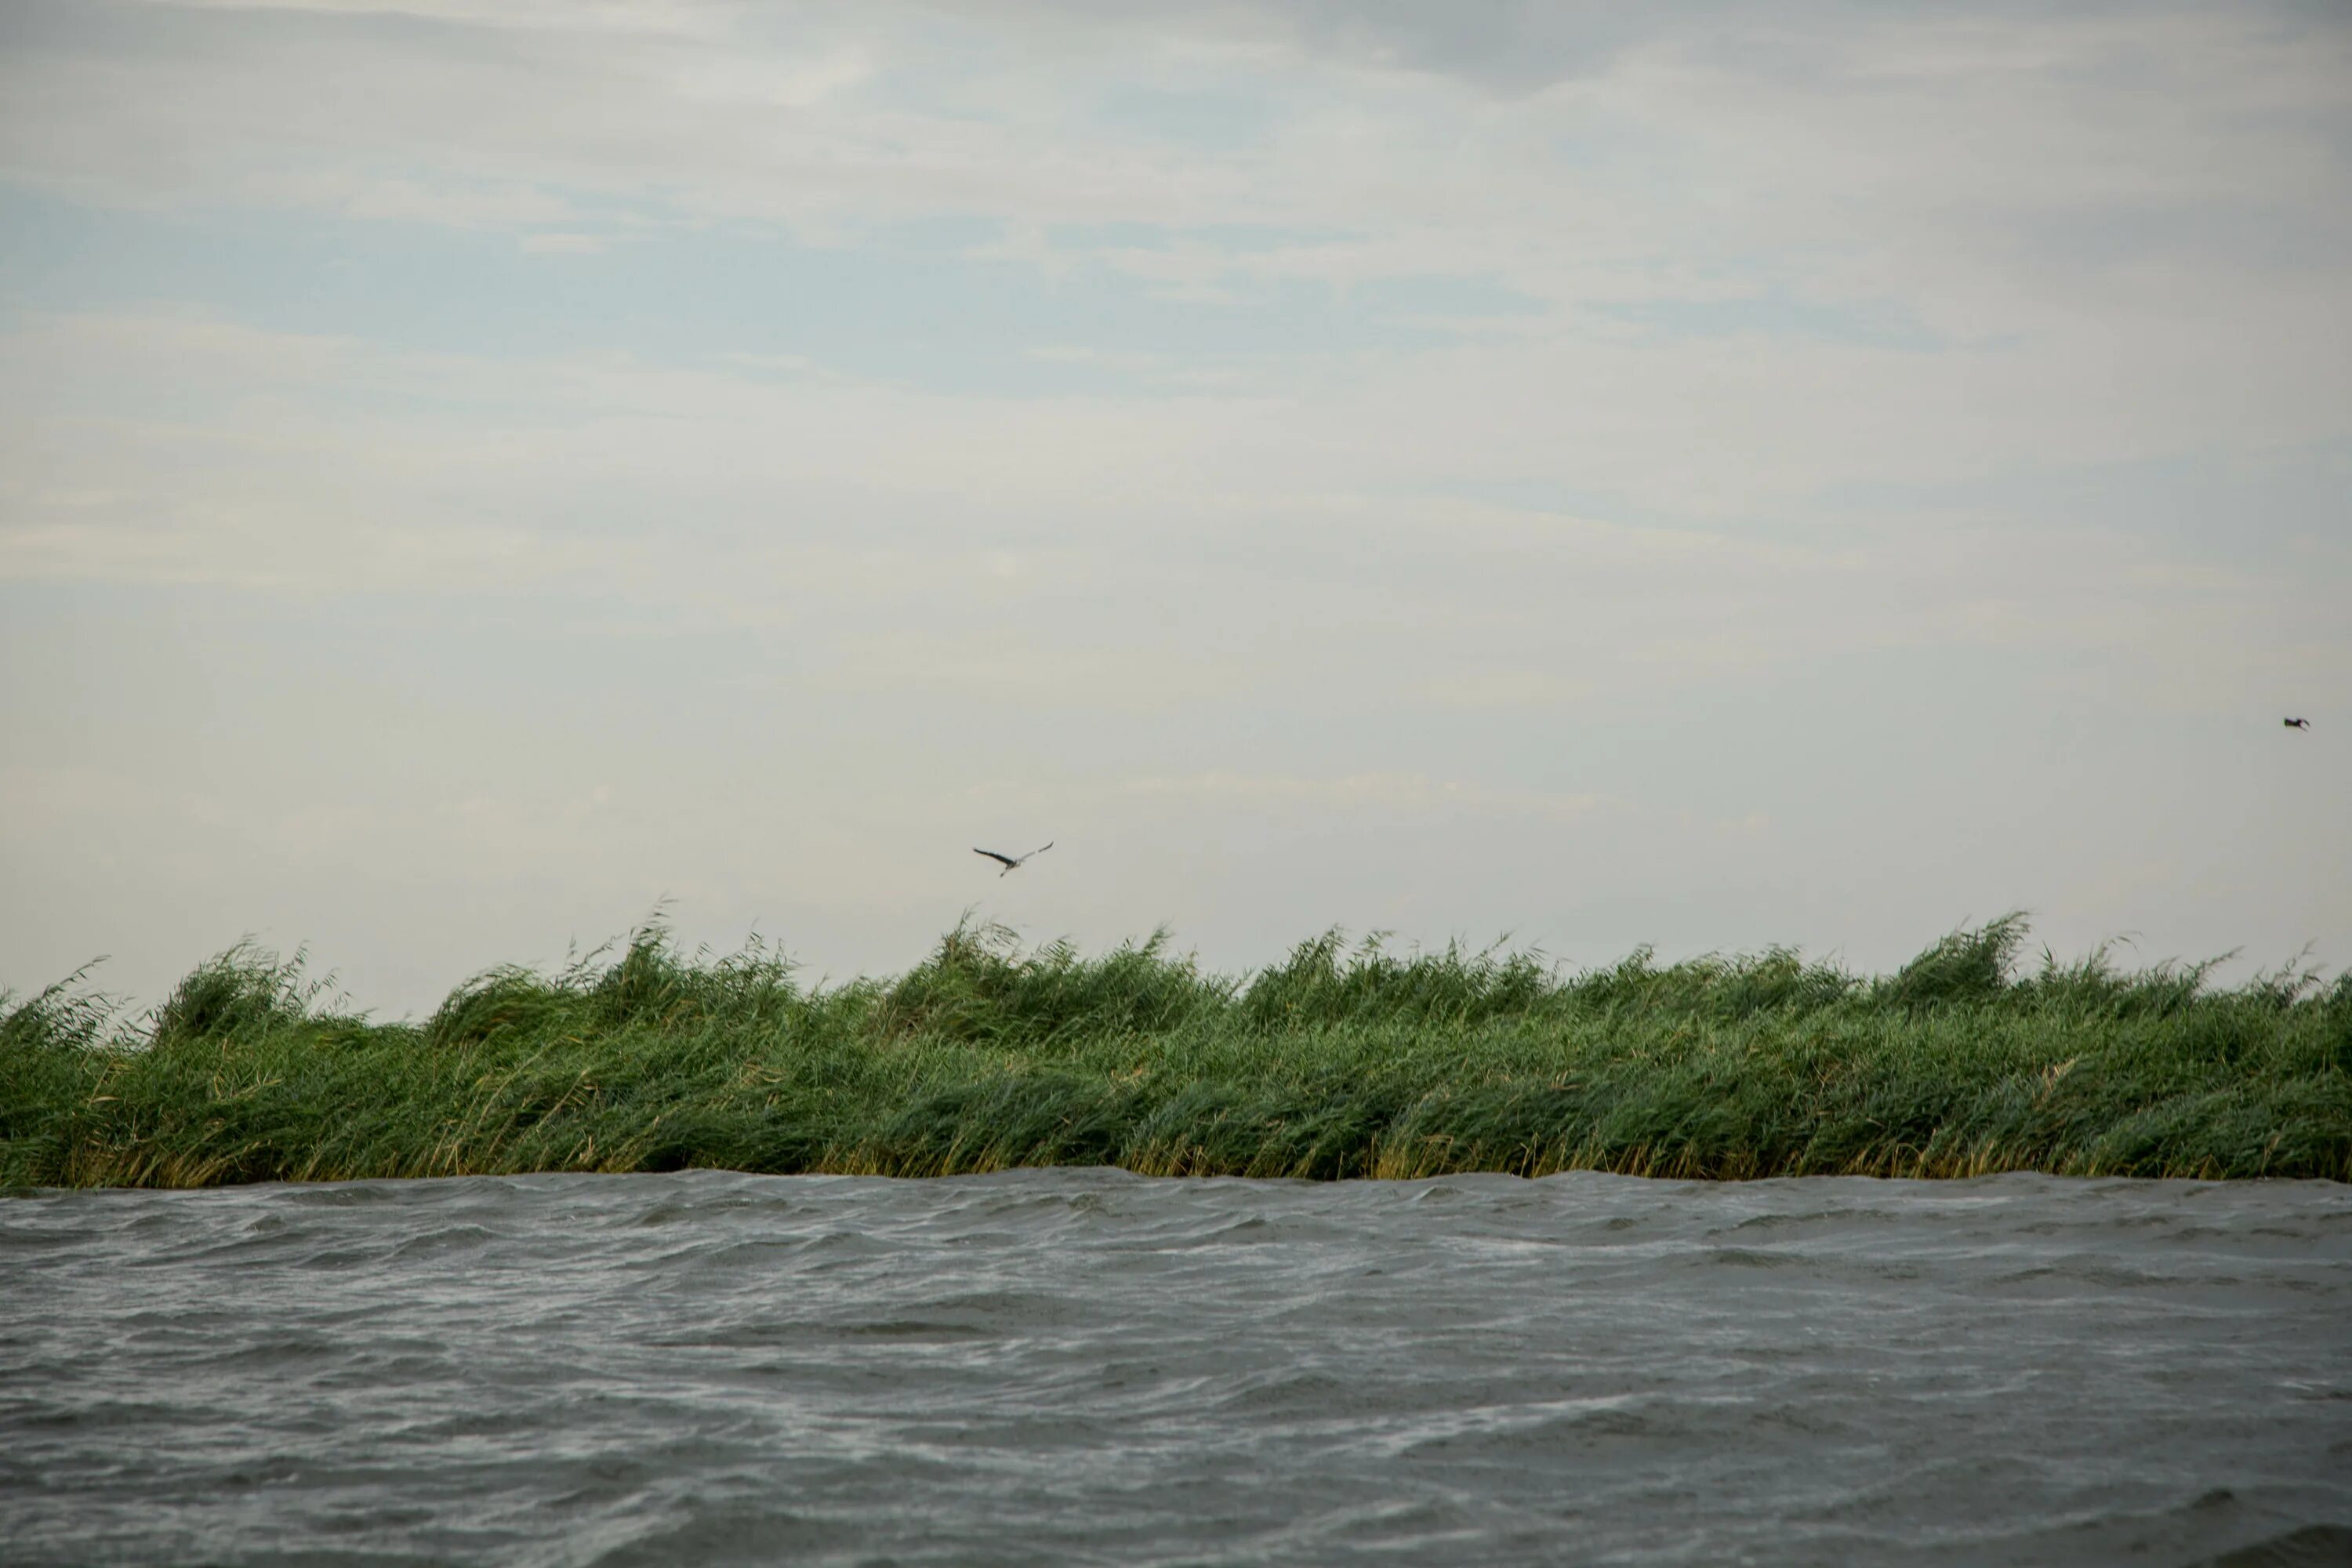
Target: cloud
<point>450,203</point>
<point>1825,123</point>
<point>1729,245</point>
<point>1729,476</point>
<point>1134,552</point>
<point>1407,795</point>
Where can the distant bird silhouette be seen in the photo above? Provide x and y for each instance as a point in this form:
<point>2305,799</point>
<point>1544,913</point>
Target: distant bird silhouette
<point>1010,863</point>
<point>2298,723</point>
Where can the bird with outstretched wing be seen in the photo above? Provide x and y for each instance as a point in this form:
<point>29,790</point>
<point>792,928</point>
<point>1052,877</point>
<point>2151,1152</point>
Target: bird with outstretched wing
<point>2298,723</point>
<point>1013,863</point>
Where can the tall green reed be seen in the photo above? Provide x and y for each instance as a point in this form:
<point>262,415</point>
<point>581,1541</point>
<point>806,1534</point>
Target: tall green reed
<point>1343,1059</point>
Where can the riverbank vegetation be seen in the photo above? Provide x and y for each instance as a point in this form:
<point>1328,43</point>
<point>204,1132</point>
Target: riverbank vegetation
<point>1343,1061</point>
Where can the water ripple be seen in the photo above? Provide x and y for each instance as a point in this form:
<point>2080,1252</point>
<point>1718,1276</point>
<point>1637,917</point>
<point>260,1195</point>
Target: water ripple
<point>1086,1366</point>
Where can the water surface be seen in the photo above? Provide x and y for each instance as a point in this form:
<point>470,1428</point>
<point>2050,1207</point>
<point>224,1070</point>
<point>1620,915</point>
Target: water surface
<point>1084,1366</point>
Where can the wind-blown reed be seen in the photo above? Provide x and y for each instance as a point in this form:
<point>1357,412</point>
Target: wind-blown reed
<point>1340,1061</point>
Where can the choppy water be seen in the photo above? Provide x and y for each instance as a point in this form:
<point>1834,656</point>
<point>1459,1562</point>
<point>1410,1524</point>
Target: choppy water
<point>1084,1366</point>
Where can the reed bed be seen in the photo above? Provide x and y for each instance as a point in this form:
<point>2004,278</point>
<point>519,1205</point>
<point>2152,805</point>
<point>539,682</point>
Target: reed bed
<point>1341,1061</point>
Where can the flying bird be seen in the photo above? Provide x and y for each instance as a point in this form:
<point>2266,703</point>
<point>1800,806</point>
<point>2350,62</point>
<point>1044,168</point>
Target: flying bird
<point>2298,723</point>
<point>1013,864</point>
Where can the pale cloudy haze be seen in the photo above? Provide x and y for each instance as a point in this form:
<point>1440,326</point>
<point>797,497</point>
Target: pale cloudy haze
<point>1601,475</point>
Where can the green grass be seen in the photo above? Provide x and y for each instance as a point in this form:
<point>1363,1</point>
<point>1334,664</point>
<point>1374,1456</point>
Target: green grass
<point>1338,1062</point>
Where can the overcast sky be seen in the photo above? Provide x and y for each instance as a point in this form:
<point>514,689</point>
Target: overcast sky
<point>472,469</point>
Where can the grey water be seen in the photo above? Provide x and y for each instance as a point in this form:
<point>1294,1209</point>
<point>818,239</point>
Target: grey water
<point>1086,1366</point>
